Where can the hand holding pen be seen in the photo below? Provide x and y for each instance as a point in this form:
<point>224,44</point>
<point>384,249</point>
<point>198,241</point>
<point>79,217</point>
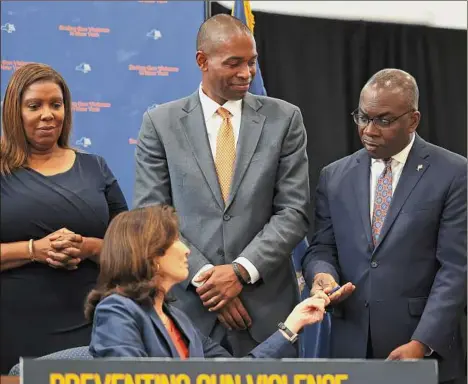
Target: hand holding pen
<point>326,283</point>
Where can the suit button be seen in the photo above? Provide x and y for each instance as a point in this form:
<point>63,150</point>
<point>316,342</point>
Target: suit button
<point>220,252</point>
<point>374,264</point>
<point>226,217</point>
<point>366,304</point>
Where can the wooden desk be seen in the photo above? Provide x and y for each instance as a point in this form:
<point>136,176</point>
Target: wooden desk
<point>9,379</point>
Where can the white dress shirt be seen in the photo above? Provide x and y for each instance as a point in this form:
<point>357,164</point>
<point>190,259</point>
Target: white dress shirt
<point>378,166</point>
<point>213,122</point>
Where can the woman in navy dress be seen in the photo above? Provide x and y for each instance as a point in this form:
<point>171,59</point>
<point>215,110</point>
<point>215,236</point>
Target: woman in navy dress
<point>56,204</point>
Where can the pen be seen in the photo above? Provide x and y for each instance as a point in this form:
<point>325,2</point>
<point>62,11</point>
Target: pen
<point>333,290</point>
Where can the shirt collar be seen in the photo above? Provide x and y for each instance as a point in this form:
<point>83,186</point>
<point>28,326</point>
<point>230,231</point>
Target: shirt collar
<point>401,156</point>
<point>210,106</point>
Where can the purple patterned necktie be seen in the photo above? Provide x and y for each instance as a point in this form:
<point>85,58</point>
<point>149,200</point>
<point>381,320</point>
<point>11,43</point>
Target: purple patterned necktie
<point>382,200</point>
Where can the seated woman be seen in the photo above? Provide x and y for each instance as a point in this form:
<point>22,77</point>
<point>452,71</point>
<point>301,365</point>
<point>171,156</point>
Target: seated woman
<point>142,258</point>
<point>56,204</point>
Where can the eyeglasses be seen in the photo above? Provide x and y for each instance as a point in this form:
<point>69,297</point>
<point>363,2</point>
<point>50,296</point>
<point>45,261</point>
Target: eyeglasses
<point>363,120</point>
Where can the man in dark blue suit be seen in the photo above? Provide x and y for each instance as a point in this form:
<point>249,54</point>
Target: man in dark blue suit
<point>391,219</point>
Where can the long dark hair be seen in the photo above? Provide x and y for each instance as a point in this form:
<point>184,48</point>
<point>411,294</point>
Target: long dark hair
<point>14,145</point>
<point>131,245</point>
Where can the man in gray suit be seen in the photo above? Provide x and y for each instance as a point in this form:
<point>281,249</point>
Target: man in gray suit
<point>235,167</point>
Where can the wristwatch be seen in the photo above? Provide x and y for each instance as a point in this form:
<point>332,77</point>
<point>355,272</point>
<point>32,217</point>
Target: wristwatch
<point>239,275</point>
<point>292,337</point>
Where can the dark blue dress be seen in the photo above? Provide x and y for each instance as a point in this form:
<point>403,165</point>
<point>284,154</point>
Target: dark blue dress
<point>41,307</point>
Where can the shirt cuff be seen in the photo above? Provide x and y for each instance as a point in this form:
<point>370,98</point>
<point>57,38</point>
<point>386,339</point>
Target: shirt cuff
<point>202,269</point>
<point>250,268</point>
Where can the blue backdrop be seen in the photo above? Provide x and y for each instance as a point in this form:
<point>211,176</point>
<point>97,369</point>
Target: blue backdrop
<point>118,58</point>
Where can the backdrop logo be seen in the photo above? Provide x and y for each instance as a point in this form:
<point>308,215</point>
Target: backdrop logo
<point>79,31</point>
<point>12,65</point>
<point>89,106</point>
<point>149,70</point>
<point>132,141</point>
<point>85,142</point>
<point>8,27</point>
<point>83,67</point>
<point>154,34</point>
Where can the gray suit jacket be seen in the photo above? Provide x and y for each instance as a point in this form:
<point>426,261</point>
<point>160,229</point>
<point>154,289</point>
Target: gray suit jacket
<point>265,216</point>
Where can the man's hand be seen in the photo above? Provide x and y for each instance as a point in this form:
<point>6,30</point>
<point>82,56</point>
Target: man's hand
<point>326,283</point>
<point>220,286</point>
<point>234,315</point>
<point>412,350</point>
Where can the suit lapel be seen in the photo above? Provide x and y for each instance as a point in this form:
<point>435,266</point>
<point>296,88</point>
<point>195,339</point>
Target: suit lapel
<point>360,177</point>
<point>187,330</point>
<point>250,130</point>
<point>415,167</point>
<point>193,123</point>
<point>163,331</point>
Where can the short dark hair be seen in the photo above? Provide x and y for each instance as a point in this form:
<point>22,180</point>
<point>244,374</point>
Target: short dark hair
<point>131,244</point>
<point>397,78</point>
<point>217,29</point>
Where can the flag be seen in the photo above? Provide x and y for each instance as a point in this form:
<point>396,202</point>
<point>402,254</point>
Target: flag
<point>243,12</point>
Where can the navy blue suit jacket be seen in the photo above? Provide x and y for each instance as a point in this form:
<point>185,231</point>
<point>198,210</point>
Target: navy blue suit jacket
<point>412,284</point>
<point>123,328</point>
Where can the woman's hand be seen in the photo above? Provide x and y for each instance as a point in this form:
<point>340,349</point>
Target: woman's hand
<point>67,250</point>
<point>309,311</point>
<point>17,254</point>
<point>72,248</point>
<point>43,251</point>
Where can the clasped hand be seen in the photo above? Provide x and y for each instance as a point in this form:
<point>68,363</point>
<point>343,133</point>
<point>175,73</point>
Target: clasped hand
<point>60,249</point>
<point>220,286</point>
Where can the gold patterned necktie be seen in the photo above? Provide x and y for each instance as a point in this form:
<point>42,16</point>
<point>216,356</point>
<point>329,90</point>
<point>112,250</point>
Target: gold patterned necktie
<point>225,152</point>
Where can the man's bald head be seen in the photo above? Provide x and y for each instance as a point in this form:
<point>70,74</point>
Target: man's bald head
<point>227,57</point>
<point>219,29</point>
<point>395,81</point>
<point>388,112</point>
